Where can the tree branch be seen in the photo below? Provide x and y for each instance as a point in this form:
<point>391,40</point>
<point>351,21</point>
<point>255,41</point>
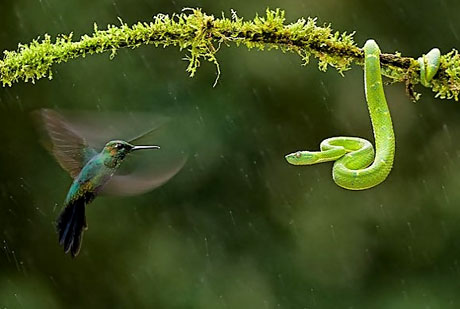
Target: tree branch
<point>202,35</point>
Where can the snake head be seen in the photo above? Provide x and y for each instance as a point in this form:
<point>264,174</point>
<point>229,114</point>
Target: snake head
<point>302,158</point>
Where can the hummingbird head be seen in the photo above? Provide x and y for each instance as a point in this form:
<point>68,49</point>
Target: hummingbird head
<point>116,151</point>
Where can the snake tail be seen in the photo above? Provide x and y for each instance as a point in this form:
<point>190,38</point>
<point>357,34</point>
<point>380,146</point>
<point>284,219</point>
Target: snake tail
<point>429,66</point>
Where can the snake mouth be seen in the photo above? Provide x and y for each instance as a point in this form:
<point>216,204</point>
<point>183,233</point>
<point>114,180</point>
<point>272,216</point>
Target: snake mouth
<point>291,158</point>
<point>301,158</point>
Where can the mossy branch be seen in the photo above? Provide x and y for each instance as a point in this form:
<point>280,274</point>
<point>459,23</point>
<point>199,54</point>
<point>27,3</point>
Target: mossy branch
<point>202,35</point>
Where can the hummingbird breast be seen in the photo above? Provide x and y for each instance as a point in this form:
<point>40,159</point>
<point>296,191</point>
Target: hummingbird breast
<point>93,176</point>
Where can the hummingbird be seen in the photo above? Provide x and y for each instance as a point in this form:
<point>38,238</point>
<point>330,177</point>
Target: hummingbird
<point>93,173</point>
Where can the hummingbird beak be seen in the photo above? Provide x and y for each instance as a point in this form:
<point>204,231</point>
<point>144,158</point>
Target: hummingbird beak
<point>145,147</point>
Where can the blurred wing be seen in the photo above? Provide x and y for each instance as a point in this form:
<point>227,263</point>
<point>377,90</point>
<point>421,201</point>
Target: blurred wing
<point>100,127</point>
<point>139,182</point>
<point>67,146</point>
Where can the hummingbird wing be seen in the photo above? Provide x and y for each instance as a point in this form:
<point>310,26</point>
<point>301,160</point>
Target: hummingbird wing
<point>141,180</point>
<point>68,147</point>
<point>75,136</point>
<point>103,126</point>
<point>142,172</point>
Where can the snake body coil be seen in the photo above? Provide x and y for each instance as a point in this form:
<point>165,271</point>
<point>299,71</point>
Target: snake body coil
<point>356,167</point>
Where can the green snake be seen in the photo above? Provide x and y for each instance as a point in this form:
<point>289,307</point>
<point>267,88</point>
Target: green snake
<point>357,166</point>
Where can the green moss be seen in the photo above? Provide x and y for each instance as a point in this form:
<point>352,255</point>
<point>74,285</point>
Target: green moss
<point>202,35</point>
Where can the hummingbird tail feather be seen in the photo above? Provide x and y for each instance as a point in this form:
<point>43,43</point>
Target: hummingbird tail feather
<point>71,224</point>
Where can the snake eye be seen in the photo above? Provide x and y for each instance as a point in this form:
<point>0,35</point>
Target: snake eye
<point>298,154</point>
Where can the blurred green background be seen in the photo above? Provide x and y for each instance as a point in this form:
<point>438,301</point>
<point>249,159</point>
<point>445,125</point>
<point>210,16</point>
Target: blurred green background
<point>237,227</point>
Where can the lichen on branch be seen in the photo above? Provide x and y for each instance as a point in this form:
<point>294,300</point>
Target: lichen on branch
<point>202,35</point>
